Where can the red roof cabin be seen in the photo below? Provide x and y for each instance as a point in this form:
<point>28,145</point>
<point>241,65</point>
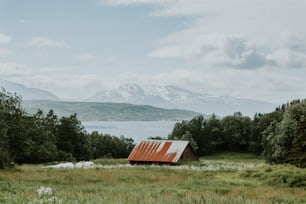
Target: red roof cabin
<point>162,152</point>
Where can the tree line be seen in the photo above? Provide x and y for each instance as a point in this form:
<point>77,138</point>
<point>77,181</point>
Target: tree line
<point>280,136</point>
<point>39,138</point>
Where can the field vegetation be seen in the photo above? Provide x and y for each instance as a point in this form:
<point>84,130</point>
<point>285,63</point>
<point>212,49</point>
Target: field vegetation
<point>115,181</point>
<point>277,176</point>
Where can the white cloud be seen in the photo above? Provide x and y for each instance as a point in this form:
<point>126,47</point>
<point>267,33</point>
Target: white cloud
<point>212,50</point>
<point>262,84</point>
<point>5,52</point>
<point>288,58</point>
<point>14,70</point>
<point>238,47</point>
<point>233,50</point>
<point>237,34</point>
<point>47,42</point>
<point>65,86</point>
<point>290,51</point>
<point>86,56</point>
<point>133,2</point>
<point>5,39</point>
<point>262,40</point>
<point>24,21</point>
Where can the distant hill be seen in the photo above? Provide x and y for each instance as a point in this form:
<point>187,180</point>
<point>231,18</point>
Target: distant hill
<point>94,111</point>
<point>176,97</point>
<point>26,92</point>
<point>168,97</point>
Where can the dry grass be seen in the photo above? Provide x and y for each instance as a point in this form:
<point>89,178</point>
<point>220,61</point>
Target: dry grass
<point>147,184</point>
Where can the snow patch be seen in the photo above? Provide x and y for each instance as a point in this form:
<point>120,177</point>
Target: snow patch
<point>70,165</point>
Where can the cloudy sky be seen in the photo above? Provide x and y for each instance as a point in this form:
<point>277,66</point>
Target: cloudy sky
<point>244,48</point>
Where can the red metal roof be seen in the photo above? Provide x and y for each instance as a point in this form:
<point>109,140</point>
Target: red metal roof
<point>158,151</point>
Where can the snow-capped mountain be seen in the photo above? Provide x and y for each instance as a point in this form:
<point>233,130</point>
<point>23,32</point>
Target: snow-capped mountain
<point>26,92</point>
<point>159,96</point>
<point>131,93</point>
<point>175,97</point>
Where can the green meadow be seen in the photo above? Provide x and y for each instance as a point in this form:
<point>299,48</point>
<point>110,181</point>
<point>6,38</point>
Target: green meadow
<point>221,178</point>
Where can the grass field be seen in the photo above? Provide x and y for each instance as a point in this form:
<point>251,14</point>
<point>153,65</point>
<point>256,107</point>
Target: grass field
<point>223,178</point>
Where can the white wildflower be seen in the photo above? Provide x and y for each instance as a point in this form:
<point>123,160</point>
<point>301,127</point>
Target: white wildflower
<point>67,165</point>
<point>42,191</point>
<point>54,199</point>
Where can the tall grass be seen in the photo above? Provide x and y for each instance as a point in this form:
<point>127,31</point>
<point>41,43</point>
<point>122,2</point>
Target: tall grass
<point>151,184</point>
<point>235,157</point>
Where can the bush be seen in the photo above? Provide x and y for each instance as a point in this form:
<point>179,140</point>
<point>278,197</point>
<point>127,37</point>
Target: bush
<point>278,175</point>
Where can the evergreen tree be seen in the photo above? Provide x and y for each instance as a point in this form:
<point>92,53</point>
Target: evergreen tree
<point>298,152</point>
<point>71,139</point>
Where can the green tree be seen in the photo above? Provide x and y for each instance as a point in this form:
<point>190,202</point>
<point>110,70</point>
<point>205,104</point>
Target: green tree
<point>13,144</point>
<point>236,131</point>
<point>156,138</point>
<point>298,151</point>
<point>211,139</point>
<point>180,128</point>
<point>293,134</point>
<point>40,140</point>
<point>271,143</point>
<point>189,130</point>
<point>110,146</point>
<point>284,141</point>
<point>4,141</point>
<point>260,123</point>
<point>195,127</point>
<point>71,139</point>
<point>188,137</point>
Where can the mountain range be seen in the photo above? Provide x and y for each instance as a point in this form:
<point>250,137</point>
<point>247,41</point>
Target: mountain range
<point>26,92</point>
<point>176,97</point>
<point>169,97</point>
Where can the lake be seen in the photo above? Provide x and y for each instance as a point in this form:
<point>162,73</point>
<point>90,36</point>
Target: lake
<point>137,130</point>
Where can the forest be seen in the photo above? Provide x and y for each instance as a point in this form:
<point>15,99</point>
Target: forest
<point>280,136</point>
<point>41,138</point>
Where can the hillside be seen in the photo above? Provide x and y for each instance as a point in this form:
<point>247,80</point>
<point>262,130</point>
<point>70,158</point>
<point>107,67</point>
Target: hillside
<point>169,97</point>
<point>94,111</point>
<point>176,97</point>
<point>27,93</point>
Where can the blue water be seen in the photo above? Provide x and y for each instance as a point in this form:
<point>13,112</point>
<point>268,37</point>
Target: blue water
<point>137,130</point>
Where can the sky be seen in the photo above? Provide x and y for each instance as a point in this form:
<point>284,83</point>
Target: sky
<point>254,49</point>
